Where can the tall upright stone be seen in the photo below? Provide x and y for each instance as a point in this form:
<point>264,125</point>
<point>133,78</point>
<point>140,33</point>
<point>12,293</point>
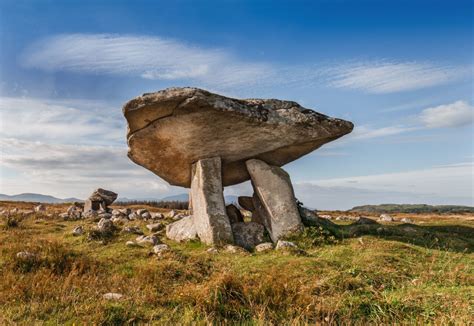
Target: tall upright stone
<point>277,203</point>
<point>209,212</point>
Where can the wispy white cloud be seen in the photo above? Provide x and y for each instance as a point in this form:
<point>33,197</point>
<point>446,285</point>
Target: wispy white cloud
<point>387,76</point>
<point>367,132</point>
<point>154,57</point>
<point>150,57</point>
<point>456,114</point>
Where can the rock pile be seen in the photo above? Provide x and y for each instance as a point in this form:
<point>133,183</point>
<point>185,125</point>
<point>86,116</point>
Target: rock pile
<point>224,141</point>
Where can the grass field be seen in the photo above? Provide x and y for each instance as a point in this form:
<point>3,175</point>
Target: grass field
<point>390,273</point>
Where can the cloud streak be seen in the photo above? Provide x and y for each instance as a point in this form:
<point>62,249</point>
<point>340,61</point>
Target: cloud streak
<point>158,58</point>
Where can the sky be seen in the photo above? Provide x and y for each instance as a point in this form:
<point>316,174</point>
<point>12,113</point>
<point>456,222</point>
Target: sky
<point>401,71</point>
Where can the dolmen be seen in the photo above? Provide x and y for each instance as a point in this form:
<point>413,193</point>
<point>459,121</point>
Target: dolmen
<point>203,141</point>
<point>100,199</point>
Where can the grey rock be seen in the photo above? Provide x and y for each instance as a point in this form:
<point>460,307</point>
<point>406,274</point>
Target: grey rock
<point>248,235</point>
<point>102,195</point>
<point>365,221</point>
<point>40,208</point>
<point>105,225</point>
<point>285,245</point>
<point>209,214</point>
<point>277,203</point>
<point>157,216</point>
<point>182,230</point>
<point>132,244</point>
<point>406,220</point>
<point>133,230</point>
<point>266,246</point>
<point>234,214</point>
<point>141,211</point>
<point>172,213</point>
<point>133,216</point>
<point>147,240</point>
<point>105,215</point>
<point>212,250</point>
<point>125,211</point>
<point>212,125</point>
<point>65,216</point>
<point>161,248</point>
<point>232,249</point>
<point>78,230</point>
<point>155,227</point>
<point>25,255</point>
<point>386,218</point>
<point>146,215</point>
<point>112,296</point>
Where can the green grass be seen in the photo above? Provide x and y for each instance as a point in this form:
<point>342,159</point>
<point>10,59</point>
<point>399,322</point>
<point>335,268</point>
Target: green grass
<point>356,275</point>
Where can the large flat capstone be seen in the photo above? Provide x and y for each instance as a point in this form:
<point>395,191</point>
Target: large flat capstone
<point>170,130</point>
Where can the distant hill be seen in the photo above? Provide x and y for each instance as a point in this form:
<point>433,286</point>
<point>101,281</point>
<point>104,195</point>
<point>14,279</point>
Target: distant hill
<point>412,208</point>
<point>37,198</point>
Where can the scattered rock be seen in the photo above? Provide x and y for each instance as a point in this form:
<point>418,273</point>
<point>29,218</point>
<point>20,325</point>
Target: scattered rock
<point>327,217</point>
<point>248,235</point>
<point>147,240</point>
<point>64,216</point>
<point>105,215</point>
<point>40,208</point>
<point>113,296</point>
<point>285,245</point>
<point>155,227</point>
<point>212,250</point>
<point>133,230</point>
<point>78,230</point>
<point>182,230</point>
<point>157,216</point>
<point>234,249</point>
<point>105,225</point>
<point>172,213</point>
<point>386,218</point>
<point>161,248</point>
<point>234,214</point>
<point>266,246</point>
<point>146,215</point>
<point>25,255</point>
<point>132,244</point>
<point>132,216</point>
<point>406,220</point>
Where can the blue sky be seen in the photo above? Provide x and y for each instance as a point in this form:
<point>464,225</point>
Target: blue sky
<point>400,70</point>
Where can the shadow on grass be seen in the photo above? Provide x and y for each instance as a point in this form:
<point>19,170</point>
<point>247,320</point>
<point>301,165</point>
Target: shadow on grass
<point>457,238</point>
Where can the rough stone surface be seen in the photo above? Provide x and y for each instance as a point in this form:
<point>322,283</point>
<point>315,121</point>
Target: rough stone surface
<point>209,214</point>
<point>161,248</point>
<point>105,225</point>
<point>232,249</point>
<point>248,235</point>
<point>386,218</point>
<point>285,245</point>
<point>155,227</point>
<point>234,214</point>
<point>406,220</point>
<point>148,240</point>
<point>78,230</point>
<point>106,196</point>
<point>211,125</point>
<point>266,246</point>
<point>246,203</point>
<point>277,204</point>
<point>365,221</point>
<point>182,230</point>
<point>133,230</point>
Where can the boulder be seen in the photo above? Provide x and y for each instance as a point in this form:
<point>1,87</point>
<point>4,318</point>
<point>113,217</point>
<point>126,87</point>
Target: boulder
<point>246,203</point>
<point>78,230</point>
<point>209,213</point>
<point>234,214</point>
<point>406,220</point>
<point>212,125</point>
<point>102,195</point>
<point>155,227</point>
<point>365,221</point>
<point>147,240</point>
<point>161,248</point>
<point>105,225</point>
<point>182,230</point>
<point>386,218</point>
<point>248,235</point>
<point>277,204</point>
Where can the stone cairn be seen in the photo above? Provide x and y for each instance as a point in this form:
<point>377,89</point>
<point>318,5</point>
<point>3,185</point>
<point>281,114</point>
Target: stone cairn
<point>203,141</point>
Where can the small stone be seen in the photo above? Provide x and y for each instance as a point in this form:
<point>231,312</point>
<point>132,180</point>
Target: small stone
<point>386,218</point>
<point>161,248</point>
<point>148,240</point>
<point>157,216</point>
<point>25,255</point>
<point>406,220</point>
<point>90,214</point>
<point>285,245</point>
<point>112,296</point>
<point>132,216</point>
<point>125,211</point>
<point>212,250</point>
<point>40,208</point>
<point>172,213</point>
<point>116,212</point>
<point>234,249</point>
<point>155,227</point>
<point>78,230</point>
<point>132,244</point>
<point>64,216</point>
<point>133,230</point>
<point>105,215</point>
<point>146,215</point>
<point>266,246</point>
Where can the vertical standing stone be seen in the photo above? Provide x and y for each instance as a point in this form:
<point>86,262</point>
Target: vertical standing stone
<point>277,203</point>
<point>209,213</point>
